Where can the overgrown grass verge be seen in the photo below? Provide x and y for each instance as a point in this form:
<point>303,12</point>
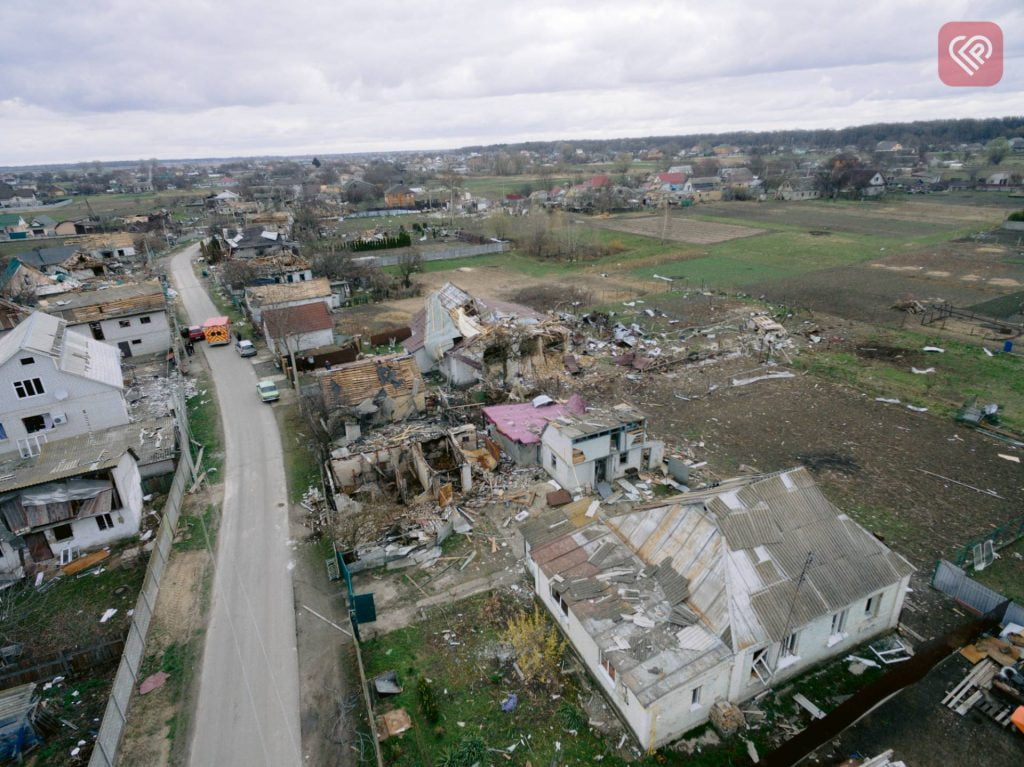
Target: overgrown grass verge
<point>204,422</point>
<point>301,458</point>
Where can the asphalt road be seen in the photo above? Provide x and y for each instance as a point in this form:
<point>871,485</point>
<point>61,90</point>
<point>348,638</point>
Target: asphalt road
<point>248,708</point>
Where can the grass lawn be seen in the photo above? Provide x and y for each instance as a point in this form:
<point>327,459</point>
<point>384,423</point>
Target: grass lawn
<point>68,614</point>
<point>1006,574</point>
<point>962,371</point>
<point>784,252</point>
<point>108,205</point>
<point>469,689</point>
<point>547,726</point>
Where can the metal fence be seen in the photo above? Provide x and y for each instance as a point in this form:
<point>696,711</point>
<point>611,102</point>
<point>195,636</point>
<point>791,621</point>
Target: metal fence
<point>950,579</point>
<point>461,251</point>
<point>116,715</point>
<point>1000,537</point>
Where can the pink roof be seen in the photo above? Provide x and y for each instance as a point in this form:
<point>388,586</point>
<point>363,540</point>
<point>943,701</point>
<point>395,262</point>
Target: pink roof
<point>522,422</point>
<point>672,178</point>
<point>596,181</point>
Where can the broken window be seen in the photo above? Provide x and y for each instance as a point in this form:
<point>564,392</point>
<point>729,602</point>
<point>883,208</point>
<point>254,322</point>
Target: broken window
<point>36,423</point>
<point>609,669</point>
<point>759,670</point>
<point>105,521</point>
<point>554,461</point>
<point>145,320</point>
<point>871,606</point>
<point>62,532</point>
<point>789,645</point>
<point>559,599</point>
<point>124,323</point>
<point>695,697</point>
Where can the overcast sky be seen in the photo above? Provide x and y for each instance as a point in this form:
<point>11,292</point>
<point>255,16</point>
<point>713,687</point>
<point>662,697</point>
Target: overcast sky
<point>120,79</point>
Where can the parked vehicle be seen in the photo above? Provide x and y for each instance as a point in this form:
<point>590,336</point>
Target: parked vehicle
<point>217,331</point>
<point>195,333</point>
<point>245,348</point>
<point>267,390</point>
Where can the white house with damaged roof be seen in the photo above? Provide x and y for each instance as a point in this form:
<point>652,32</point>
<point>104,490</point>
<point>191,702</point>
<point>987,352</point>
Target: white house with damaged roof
<point>712,595</point>
<point>132,317</point>
<point>55,383</point>
<point>584,450</point>
<point>70,496</point>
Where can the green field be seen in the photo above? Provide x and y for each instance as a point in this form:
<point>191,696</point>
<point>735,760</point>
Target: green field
<point>962,371</point>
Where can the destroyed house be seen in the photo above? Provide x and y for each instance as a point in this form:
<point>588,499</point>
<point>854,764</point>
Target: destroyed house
<point>71,495</point>
<point>517,426</point>
<point>713,595</point>
<point>413,464</point>
<point>450,316</point>
<point>375,390</point>
<point>56,383</point>
<point>261,297</point>
<point>583,451</point>
<point>131,317</point>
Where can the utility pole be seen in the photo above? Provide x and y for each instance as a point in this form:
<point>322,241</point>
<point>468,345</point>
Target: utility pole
<point>792,605</point>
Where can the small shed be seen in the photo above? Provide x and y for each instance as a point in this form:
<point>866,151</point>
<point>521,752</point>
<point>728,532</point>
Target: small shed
<point>17,734</point>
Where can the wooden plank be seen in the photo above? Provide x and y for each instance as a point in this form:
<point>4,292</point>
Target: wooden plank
<point>805,704</point>
<point>84,563</point>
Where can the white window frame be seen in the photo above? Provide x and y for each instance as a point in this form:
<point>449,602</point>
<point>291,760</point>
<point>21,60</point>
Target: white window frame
<point>104,521</point>
<point>25,386</point>
<point>695,694</point>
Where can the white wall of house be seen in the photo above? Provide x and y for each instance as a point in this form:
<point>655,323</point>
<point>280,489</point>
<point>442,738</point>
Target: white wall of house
<point>816,642</point>
<point>147,333</point>
<point>86,405</point>
<point>672,715</point>
<point>299,342</point>
<point>458,372</point>
<point>87,533</point>
<point>629,708</point>
<point>10,562</point>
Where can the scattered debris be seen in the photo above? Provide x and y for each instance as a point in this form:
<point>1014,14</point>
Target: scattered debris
<point>153,682</point>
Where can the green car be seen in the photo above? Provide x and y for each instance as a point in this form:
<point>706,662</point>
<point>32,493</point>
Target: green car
<point>267,390</point>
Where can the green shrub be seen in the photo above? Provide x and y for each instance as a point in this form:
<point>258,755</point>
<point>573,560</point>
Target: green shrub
<point>428,700</point>
<point>469,751</point>
<point>1016,216</point>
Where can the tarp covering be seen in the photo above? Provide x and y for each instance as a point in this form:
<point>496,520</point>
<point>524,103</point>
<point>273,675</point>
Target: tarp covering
<point>55,502</point>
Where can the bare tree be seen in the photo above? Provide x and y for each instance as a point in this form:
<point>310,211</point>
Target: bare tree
<point>409,263</point>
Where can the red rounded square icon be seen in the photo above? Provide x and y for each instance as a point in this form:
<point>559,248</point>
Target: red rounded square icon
<point>970,54</point>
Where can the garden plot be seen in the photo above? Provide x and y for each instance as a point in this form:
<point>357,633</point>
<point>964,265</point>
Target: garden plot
<point>679,229</point>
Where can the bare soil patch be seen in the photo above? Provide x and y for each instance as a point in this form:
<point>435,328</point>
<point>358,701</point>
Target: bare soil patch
<point>679,229</point>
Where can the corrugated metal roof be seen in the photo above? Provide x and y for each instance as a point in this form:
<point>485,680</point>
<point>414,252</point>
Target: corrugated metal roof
<point>724,571</point>
<point>63,458</point>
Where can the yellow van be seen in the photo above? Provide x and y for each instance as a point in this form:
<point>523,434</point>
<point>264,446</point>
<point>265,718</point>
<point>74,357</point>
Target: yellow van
<point>217,331</point>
